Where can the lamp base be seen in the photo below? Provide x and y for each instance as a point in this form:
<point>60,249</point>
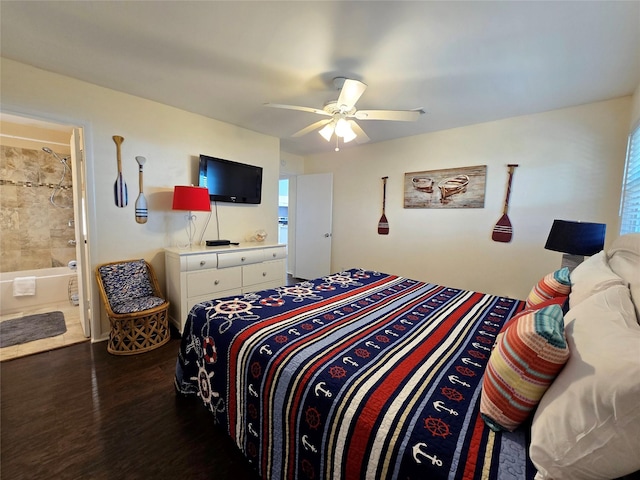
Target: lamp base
<point>571,261</point>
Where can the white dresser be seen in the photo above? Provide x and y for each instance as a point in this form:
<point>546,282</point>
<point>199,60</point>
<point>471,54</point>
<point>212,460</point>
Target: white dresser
<point>201,273</point>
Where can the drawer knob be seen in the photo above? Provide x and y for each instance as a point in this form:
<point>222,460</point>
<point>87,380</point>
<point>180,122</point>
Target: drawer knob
<point>264,274</point>
<point>216,282</point>
<point>243,259</point>
<point>274,255</point>
<point>202,263</point>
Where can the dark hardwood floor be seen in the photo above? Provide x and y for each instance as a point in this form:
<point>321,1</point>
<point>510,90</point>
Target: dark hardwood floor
<point>81,413</point>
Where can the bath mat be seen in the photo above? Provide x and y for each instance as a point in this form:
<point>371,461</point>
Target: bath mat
<point>31,327</point>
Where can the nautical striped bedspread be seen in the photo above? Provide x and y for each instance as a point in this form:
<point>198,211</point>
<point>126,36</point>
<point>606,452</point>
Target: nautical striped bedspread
<point>352,376</point>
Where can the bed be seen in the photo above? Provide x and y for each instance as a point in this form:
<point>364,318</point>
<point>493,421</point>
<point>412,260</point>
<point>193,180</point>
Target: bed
<point>364,374</point>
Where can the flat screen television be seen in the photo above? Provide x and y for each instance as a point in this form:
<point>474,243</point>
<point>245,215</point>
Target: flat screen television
<point>229,181</point>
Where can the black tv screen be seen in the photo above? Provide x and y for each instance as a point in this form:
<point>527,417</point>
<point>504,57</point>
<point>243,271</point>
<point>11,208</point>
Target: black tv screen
<point>229,181</point>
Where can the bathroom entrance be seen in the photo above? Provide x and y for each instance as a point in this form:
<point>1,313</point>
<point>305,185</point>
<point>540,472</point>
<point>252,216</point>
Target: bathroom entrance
<point>43,218</point>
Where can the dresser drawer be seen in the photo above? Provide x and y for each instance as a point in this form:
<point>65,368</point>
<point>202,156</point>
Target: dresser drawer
<point>262,273</point>
<point>201,274</point>
<point>202,262</point>
<point>276,253</point>
<point>245,257</point>
<point>213,281</point>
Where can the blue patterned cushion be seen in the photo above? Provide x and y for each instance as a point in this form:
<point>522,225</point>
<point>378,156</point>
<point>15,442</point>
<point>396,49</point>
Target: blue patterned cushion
<point>128,287</point>
<point>137,304</point>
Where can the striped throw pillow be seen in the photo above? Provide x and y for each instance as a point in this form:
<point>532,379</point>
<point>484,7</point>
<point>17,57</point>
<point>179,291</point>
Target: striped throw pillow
<point>526,359</point>
<point>555,284</point>
<point>561,301</point>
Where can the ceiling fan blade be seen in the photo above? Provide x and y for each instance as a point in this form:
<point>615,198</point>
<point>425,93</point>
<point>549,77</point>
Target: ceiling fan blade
<point>312,127</point>
<point>296,107</point>
<point>361,136</point>
<point>397,115</point>
<point>351,91</point>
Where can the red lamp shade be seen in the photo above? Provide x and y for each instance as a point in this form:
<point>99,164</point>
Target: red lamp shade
<point>191,198</point>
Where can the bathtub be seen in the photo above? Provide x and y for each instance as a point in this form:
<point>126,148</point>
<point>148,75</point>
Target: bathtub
<point>52,286</point>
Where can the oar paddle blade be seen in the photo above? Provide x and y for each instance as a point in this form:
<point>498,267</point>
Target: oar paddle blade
<point>502,232</point>
<point>141,202</point>
<point>120,187</point>
<point>383,225</point>
<point>120,192</point>
<point>141,209</point>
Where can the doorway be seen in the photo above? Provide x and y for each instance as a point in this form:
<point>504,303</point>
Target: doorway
<point>47,159</point>
<point>283,211</point>
<point>313,225</point>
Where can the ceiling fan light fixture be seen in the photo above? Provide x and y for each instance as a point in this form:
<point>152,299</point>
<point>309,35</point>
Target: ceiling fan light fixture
<point>327,131</point>
<point>339,114</point>
<point>349,135</point>
<point>343,128</point>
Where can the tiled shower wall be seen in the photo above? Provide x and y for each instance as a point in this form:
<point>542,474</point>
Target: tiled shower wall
<point>34,233</point>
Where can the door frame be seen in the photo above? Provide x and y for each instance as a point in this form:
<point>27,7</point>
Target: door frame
<point>89,212</point>
<point>78,172</point>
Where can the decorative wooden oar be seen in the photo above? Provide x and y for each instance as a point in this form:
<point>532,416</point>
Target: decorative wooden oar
<point>120,187</point>
<point>383,224</point>
<point>141,202</point>
<point>503,232</point>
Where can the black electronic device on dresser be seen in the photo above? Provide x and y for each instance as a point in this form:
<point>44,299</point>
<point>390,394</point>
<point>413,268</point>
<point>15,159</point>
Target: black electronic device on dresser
<point>229,181</point>
<point>220,243</point>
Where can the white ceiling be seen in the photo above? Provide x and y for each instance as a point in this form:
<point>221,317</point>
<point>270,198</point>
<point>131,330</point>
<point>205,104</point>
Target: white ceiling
<point>463,62</point>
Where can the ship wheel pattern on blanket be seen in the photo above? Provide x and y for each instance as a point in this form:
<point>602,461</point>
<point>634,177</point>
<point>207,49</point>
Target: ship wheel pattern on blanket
<point>212,399</point>
<point>439,412</point>
<point>442,411</point>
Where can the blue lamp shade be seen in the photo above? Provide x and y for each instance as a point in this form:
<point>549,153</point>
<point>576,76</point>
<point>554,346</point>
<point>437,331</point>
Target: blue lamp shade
<point>576,238</point>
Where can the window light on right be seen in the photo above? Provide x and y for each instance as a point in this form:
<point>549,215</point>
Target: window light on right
<point>630,200</point>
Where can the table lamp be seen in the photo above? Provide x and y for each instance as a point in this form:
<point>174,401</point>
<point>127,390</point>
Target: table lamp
<point>575,240</point>
<point>192,199</point>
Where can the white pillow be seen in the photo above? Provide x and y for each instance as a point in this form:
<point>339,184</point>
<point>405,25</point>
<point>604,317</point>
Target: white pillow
<point>624,260</point>
<point>592,276</point>
<point>588,422</point>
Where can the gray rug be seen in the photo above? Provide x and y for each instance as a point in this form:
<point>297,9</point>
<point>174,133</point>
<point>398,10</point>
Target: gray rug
<point>31,327</point>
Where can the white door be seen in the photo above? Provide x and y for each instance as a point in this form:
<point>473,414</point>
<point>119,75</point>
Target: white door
<point>78,176</point>
<point>314,200</point>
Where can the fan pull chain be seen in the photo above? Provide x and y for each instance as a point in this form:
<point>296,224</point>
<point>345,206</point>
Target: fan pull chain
<point>337,147</point>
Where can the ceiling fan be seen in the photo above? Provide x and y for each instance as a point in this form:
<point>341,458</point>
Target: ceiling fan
<point>342,112</point>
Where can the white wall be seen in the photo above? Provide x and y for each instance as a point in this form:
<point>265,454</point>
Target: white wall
<point>170,139</point>
<point>571,164</point>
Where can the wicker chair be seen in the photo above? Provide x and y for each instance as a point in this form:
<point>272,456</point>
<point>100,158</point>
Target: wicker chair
<point>137,310</point>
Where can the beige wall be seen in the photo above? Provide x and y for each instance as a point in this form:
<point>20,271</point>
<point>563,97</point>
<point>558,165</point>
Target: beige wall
<point>32,136</point>
<point>635,109</point>
<point>290,164</point>
<point>170,139</point>
<point>571,164</point>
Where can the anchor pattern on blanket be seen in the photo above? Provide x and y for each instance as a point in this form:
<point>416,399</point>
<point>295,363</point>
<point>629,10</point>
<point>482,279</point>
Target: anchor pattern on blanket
<point>457,384</point>
<point>320,384</point>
